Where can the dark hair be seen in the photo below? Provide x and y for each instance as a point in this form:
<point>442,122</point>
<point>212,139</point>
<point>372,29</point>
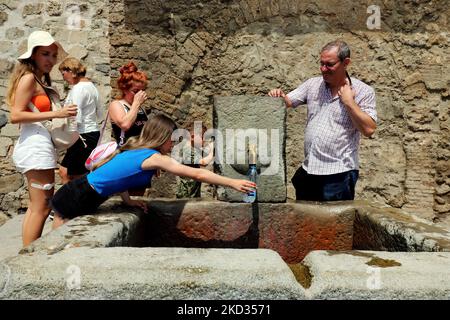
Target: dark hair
<point>342,46</point>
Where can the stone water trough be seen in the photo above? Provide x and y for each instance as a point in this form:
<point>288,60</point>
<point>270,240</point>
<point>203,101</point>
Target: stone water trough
<point>216,250</point>
<point>271,249</point>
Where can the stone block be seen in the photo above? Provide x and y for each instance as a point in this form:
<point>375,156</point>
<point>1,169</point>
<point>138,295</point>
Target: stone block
<point>5,144</point>
<point>11,4</point>
<point>3,17</point>
<point>5,46</point>
<point>35,23</point>
<point>274,7</point>
<point>54,8</point>
<point>10,130</point>
<point>254,9</point>
<point>246,12</point>
<point>165,96</point>
<point>14,33</point>
<point>238,15</point>
<point>156,273</point>
<point>3,119</point>
<point>198,41</point>
<point>172,85</point>
<point>113,225</point>
<point>366,275</point>
<point>30,9</point>
<point>261,120</point>
<point>10,183</point>
<point>78,52</point>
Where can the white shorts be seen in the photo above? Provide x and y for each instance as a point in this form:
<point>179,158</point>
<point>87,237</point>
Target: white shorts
<point>34,150</point>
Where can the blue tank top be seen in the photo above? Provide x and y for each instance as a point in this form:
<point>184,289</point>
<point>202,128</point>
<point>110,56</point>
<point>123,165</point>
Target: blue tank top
<point>122,172</point>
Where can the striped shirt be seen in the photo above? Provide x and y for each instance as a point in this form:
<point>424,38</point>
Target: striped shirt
<point>331,140</point>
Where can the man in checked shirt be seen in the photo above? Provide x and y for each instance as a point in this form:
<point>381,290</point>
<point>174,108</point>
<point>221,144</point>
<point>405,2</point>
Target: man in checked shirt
<point>340,108</point>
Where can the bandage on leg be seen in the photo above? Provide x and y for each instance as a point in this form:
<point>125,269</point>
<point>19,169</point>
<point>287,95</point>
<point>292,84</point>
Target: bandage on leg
<point>47,186</point>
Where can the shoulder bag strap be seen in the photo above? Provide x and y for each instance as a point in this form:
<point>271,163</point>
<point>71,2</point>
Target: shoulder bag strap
<point>52,94</point>
<point>122,133</point>
<point>102,131</point>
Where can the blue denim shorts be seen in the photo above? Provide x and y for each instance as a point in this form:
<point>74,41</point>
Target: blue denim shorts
<point>333,187</point>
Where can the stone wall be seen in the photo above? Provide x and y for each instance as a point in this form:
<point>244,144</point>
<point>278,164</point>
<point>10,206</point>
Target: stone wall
<point>82,29</point>
<point>196,50</point>
<point>199,49</point>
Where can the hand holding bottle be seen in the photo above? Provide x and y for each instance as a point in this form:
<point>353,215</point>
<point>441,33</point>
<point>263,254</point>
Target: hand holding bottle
<point>72,119</point>
<point>250,197</point>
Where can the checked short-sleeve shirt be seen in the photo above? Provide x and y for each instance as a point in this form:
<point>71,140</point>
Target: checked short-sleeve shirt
<point>331,140</point>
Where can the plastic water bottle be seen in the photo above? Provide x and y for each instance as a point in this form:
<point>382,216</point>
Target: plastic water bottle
<point>71,121</point>
<point>250,197</point>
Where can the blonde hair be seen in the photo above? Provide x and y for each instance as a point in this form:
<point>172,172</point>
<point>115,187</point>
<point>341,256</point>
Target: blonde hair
<point>154,134</point>
<point>22,68</point>
<point>73,65</point>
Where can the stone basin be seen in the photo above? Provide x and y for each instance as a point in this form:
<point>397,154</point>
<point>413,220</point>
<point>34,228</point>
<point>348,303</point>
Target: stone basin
<point>291,229</point>
<point>215,250</point>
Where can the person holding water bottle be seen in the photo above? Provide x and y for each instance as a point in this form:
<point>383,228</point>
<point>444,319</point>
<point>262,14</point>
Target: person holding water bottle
<point>85,95</point>
<point>34,153</point>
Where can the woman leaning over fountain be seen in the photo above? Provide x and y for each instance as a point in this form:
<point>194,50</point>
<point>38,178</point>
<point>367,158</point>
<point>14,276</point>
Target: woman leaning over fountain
<point>131,166</point>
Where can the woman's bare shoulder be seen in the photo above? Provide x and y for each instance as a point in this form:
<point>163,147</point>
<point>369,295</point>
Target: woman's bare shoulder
<point>27,82</point>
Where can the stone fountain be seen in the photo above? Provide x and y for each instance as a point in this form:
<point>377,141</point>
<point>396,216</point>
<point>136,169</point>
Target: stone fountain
<point>226,249</point>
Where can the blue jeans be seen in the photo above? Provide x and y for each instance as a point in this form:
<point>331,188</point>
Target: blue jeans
<point>333,187</point>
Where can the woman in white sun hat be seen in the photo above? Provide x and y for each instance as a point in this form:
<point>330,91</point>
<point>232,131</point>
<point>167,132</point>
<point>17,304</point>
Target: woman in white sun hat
<point>34,154</point>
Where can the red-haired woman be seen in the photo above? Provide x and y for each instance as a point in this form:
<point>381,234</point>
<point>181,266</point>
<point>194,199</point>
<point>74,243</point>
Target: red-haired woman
<point>127,116</point>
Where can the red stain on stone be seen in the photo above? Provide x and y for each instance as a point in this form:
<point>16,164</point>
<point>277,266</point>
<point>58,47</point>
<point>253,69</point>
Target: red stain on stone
<point>288,229</point>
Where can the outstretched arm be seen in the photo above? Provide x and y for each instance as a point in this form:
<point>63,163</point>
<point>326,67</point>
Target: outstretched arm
<point>162,162</point>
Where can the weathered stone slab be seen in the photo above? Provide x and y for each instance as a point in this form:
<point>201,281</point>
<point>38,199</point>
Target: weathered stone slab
<point>11,236</point>
<point>390,229</point>
<point>113,226</point>
<point>378,275</point>
<point>260,120</point>
<point>149,273</point>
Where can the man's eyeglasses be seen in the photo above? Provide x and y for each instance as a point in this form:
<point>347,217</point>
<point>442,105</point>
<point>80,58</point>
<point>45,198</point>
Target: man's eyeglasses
<point>328,65</point>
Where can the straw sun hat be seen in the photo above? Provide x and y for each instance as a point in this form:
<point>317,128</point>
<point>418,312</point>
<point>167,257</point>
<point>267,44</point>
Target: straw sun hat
<point>44,39</point>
